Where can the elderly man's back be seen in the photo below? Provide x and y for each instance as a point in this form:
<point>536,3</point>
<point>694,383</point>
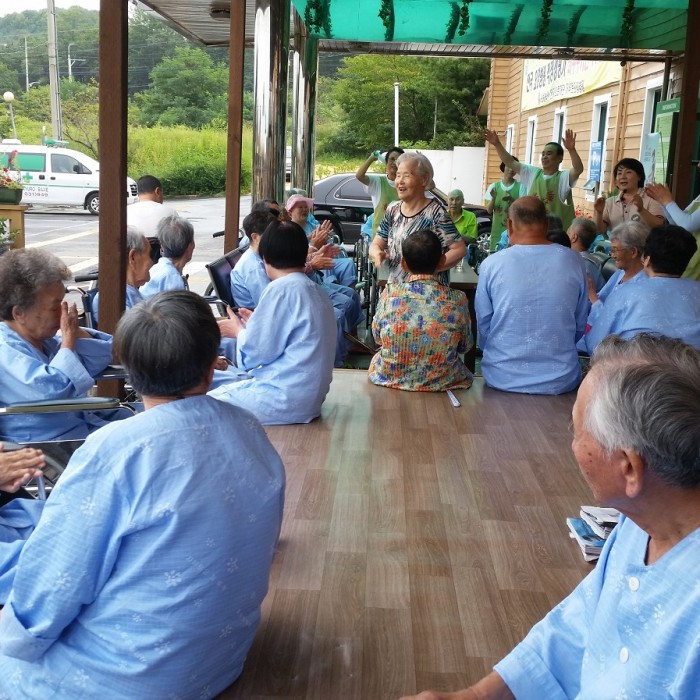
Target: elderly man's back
<point>531,306</point>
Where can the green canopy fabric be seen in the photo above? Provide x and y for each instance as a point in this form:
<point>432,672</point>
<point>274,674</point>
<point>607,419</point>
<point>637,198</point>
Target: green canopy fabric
<point>603,24</point>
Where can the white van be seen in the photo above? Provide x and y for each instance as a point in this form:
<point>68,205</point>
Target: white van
<point>56,176</point>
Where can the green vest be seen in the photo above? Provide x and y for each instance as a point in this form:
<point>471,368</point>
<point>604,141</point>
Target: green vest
<point>693,270</point>
<point>548,191</point>
<point>501,201</point>
<point>387,196</point>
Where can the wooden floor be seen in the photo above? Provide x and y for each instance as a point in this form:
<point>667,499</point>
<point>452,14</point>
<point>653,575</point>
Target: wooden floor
<point>420,542</point>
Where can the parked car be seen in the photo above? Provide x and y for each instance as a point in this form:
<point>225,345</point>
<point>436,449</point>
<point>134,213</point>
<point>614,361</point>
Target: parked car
<point>346,202</point>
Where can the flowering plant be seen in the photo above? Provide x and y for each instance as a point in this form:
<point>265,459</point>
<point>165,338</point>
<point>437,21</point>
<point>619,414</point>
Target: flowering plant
<point>10,175</point>
<point>7,235</point>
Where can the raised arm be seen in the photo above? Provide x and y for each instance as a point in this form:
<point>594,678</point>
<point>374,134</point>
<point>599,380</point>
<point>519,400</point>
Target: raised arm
<point>361,172</point>
<point>510,162</point>
<point>676,215</point>
<point>569,143</point>
<point>599,209</point>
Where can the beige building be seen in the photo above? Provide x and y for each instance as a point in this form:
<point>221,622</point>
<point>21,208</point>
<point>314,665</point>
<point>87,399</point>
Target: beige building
<point>532,102</point>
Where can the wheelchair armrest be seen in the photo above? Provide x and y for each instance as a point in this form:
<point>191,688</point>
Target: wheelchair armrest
<point>89,403</point>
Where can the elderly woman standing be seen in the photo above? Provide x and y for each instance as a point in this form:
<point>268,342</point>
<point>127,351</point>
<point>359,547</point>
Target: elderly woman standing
<point>414,212</point>
<point>35,363</point>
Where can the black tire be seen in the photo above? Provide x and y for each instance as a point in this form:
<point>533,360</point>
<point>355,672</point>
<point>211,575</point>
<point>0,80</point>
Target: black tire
<point>92,204</point>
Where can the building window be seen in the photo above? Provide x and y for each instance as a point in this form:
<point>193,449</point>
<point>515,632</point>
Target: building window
<point>530,144</point>
<point>559,125</point>
<point>510,129</point>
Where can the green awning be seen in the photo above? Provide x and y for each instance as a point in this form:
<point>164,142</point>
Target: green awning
<point>603,24</point>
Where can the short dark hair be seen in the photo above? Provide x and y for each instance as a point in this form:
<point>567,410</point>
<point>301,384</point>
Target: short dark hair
<point>559,236</point>
<point>271,205</point>
<point>284,246</point>
<point>258,220</point>
<point>631,164</point>
<point>669,249</point>
<point>167,343</point>
<point>394,149</point>
<point>175,234</point>
<point>557,145</point>
<point>502,166</point>
<point>422,251</point>
<point>147,184</point>
<point>528,211</point>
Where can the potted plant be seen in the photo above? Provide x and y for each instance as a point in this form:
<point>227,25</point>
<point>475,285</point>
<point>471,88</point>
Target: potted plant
<point>11,186</point>
<point>7,235</point>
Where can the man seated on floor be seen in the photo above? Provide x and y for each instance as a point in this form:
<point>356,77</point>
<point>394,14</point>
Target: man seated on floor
<point>629,629</point>
<point>176,238</point>
<point>145,575</point>
<point>285,348</point>
<point>531,308</point>
<point>249,279</point>
<point>421,326</point>
<point>661,302</point>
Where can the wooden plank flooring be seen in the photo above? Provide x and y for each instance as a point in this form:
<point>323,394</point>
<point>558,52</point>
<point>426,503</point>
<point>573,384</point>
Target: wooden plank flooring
<point>419,543</point>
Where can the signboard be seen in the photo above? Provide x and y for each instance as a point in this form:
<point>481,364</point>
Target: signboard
<point>652,153</point>
<point>594,160</point>
<point>549,81</point>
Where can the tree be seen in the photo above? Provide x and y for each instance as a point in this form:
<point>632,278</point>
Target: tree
<point>188,89</point>
<point>365,92</point>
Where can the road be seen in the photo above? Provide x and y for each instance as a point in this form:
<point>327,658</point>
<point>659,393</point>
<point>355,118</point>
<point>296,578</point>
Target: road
<point>72,234</point>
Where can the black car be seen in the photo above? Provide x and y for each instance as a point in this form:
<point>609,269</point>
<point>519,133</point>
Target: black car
<point>346,202</point>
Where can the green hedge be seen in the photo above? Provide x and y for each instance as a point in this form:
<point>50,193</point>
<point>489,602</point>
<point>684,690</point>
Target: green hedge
<point>187,161</point>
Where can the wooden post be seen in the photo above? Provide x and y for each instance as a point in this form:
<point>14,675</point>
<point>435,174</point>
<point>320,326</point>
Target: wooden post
<point>685,137</point>
<point>14,213</point>
<point>235,125</point>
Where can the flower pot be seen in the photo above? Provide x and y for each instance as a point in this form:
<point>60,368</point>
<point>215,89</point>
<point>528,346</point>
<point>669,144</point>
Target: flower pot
<point>10,195</point>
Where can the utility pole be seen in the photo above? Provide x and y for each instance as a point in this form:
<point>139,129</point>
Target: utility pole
<point>55,86</point>
<point>26,65</point>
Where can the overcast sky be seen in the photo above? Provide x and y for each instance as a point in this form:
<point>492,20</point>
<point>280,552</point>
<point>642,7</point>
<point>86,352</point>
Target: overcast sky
<point>7,8</point>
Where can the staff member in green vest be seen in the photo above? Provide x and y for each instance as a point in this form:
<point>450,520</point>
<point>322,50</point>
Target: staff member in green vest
<point>548,183</point>
<point>382,189</point>
<point>688,219</point>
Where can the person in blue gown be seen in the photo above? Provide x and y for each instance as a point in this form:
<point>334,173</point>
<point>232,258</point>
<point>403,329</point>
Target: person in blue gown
<point>145,575</point>
<point>176,238</point>
<point>37,364</point>
<point>630,628</point>
<point>18,516</point>
<point>528,325</point>
<point>285,348</point>
<point>138,268</point>
<point>248,280</point>
<point>661,302</point>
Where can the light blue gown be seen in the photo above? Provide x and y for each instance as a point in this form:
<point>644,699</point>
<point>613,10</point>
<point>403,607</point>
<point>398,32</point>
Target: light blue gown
<point>665,305</point>
<point>27,374</point>
<point>249,279</point>
<point>343,271</point>
<point>284,354</point>
<point>164,276</point>
<point>133,297</point>
<point>628,630</point>
<point>18,518</point>
<point>145,575</point>
<point>531,308</point>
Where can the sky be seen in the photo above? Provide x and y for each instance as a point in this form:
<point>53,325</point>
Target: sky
<point>7,8</point>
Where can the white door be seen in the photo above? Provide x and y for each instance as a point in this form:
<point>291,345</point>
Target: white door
<point>68,180</point>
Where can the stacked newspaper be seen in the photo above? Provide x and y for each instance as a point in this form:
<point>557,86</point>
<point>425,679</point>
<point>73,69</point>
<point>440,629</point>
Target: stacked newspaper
<point>592,529</point>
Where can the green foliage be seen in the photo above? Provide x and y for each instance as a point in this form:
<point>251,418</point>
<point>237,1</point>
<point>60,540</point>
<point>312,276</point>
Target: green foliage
<point>187,161</point>
<point>188,88</point>
<point>9,80</point>
<point>363,100</point>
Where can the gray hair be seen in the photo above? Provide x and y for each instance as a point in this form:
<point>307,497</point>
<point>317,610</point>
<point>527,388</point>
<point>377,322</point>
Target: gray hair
<point>136,240</point>
<point>423,166</point>
<point>631,234</point>
<point>647,398</point>
<point>586,230</point>
<point>23,274</point>
<point>174,234</point>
